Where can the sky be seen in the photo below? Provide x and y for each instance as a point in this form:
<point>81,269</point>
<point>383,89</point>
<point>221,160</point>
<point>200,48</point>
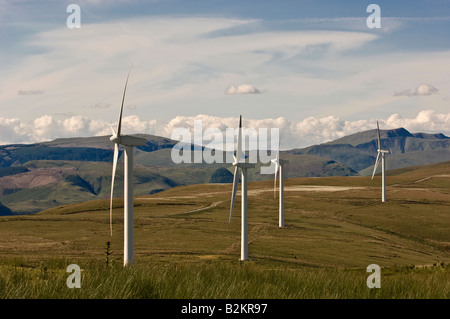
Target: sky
<point>314,69</point>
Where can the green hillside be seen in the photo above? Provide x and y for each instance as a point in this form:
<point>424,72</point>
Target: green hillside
<point>81,181</point>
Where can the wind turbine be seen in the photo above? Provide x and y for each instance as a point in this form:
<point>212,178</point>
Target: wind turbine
<point>127,141</point>
<point>383,177</point>
<point>239,163</point>
<point>279,167</point>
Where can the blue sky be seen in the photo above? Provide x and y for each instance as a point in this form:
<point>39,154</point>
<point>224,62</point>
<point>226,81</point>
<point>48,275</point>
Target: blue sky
<point>312,68</point>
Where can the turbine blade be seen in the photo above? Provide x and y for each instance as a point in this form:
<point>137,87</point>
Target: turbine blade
<point>376,164</point>
<point>119,125</point>
<point>116,156</point>
<point>233,194</point>
<point>239,146</point>
<point>379,139</point>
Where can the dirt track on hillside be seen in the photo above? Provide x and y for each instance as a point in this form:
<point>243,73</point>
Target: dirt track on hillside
<point>253,192</point>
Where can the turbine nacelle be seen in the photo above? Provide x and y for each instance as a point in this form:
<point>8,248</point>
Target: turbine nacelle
<point>128,140</point>
<point>280,162</point>
<point>244,165</point>
<point>239,160</point>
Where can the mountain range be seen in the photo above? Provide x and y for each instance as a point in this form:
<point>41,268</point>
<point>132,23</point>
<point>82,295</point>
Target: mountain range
<point>34,177</point>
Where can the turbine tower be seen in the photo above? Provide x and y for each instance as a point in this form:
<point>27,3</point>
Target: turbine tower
<point>383,177</point>
<point>279,167</point>
<point>239,163</point>
<point>129,142</point>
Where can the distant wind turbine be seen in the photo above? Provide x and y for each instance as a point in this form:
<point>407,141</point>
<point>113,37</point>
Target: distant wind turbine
<point>128,141</point>
<point>279,167</point>
<point>239,163</point>
<point>383,177</point>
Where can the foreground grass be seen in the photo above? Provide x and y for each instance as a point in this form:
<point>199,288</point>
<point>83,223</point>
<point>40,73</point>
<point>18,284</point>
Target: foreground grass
<point>217,280</point>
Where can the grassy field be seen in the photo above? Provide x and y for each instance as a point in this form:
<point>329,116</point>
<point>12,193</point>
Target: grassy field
<point>185,247</point>
<point>216,280</point>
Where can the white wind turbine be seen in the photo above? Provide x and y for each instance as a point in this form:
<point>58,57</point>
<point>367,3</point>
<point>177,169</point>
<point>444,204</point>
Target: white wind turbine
<point>279,167</point>
<point>127,141</point>
<point>239,163</point>
<point>383,177</point>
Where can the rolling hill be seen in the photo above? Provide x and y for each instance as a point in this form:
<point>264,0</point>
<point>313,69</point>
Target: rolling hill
<point>34,177</point>
<point>358,151</point>
<point>330,222</point>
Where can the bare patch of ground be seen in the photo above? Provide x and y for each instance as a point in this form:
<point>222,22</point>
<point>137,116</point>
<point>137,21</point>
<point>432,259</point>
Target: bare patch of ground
<point>34,178</point>
<point>307,188</point>
<point>429,177</point>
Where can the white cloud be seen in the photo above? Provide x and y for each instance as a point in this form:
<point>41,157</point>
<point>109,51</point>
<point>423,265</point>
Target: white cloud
<point>241,89</point>
<point>50,127</point>
<point>314,130</point>
<point>12,131</point>
<point>426,121</point>
<point>423,89</point>
<point>294,134</point>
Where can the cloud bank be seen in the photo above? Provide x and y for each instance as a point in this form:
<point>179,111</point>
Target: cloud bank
<point>294,134</point>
